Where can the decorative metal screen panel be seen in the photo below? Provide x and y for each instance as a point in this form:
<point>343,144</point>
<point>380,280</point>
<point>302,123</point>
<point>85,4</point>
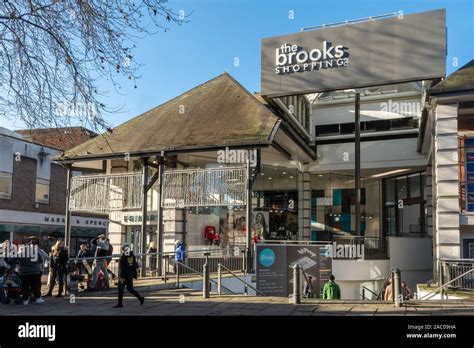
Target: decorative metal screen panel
<point>105,193</point>
<point>204,187</point>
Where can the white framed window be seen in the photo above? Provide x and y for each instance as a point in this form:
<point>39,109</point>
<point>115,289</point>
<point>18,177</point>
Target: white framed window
<point>42,191</point>
<point>5,185</point>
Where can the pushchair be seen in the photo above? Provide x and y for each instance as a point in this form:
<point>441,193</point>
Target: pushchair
<point>11,287</point>
<point>75,281</point>
<point>101,283</point>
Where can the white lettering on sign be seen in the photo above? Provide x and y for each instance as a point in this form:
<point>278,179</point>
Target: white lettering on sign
<point>292,58</point>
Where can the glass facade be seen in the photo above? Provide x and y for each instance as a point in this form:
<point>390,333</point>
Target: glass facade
<point>404,205</point>
<point>333,206</point>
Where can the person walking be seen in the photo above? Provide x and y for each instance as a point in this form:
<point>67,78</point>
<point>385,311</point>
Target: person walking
<point>331,290</point>
<point>58,261</point>
<point>128,267</point>
<point>100,262</point>
<point>180,253</point>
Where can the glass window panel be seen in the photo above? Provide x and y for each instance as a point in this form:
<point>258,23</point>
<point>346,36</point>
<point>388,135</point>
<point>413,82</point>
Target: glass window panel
<point>347,128</point>
<point>42,191</point>
<point>414,182</point>
<point>402,187</point>
<point>5,185</point>
<point>410,219</point>
<point>327,129</point>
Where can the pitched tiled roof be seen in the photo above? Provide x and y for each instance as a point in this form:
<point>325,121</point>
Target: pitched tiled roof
<point>57,138</point>
<point>217,113</point>
<point>460,80</point>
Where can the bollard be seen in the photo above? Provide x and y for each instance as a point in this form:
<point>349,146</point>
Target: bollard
<point>246,291</point>
<point>177,275</point>
<point>205,281</point>
<point>166,268</point>
<point>296,284</point>
<point>396,283</point>
<point>219,278</point>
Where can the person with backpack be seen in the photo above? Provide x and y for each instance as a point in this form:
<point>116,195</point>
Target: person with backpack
<point>331,290</point>
<point>128,267</point>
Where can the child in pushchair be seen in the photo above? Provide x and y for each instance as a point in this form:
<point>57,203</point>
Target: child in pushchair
<point>11,287</point>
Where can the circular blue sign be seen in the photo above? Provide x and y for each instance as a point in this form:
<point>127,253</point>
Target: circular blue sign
<point>267,257</point>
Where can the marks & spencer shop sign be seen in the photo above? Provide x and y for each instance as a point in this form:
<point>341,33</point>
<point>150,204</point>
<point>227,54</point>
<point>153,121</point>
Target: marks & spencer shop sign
<point>399,49</point>
<point>290,59</point>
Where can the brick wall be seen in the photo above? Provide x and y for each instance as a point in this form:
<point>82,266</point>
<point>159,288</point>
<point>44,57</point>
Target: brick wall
<point>24,189</point>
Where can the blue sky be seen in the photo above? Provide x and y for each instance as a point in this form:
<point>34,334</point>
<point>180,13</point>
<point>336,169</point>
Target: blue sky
<point>221,30</point>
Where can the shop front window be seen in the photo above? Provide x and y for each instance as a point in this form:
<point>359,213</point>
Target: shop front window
<point>404,205</point>
<point>275,203</point>
<point>4,232</point>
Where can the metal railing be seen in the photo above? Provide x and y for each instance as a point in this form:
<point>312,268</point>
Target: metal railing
<point>246,284</point>
<point>194,271</point>
<point>195,259</point>
<point>310,284</point>
<point>381,294</point>
<point>451,271</point>
<point>446,285</point>
<point>364,289</point>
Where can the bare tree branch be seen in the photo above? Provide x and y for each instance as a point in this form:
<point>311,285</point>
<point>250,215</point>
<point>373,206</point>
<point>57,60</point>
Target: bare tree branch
<point>55,54</point>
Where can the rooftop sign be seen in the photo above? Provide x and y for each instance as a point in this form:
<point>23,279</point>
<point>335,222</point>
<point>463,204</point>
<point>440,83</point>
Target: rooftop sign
<point>377,52</point>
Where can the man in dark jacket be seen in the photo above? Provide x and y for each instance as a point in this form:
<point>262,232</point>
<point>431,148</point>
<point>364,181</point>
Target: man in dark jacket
<point>127,272</point>
<point>29,265</point>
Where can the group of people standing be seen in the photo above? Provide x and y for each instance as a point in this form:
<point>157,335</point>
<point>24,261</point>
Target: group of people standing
<point>30,260</point>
